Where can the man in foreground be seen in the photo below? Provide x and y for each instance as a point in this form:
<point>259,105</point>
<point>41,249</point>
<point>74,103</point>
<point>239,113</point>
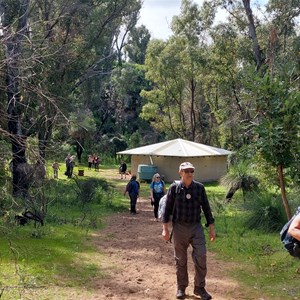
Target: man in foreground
<point>185,200</point>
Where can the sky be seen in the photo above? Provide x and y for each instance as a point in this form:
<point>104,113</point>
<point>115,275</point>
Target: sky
<point>157,15</point>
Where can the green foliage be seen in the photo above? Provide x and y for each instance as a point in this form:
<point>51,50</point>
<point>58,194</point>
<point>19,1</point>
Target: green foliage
<point>240,176</point>
<point>86,190</point>
<point>257,255</point>
<point>137,44</point>
<point>265,212</point>
<point>42,257</point>
<point>279,107</point>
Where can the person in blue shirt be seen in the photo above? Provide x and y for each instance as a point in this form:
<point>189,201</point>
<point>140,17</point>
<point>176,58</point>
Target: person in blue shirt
<point>157,190</point>
<point>133,189</point>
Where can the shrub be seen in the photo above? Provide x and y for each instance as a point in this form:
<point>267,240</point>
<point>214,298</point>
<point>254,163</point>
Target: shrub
<point>266,212</point>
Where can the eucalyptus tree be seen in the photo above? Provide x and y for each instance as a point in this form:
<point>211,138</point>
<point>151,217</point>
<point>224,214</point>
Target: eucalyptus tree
<point>277,94</point>
<point>54,52</point>
<point>177,104</point>
<point>127,83</point>
<point>271,83</point>
<point>137,44</point>
<point>223,85</point>
<point>278,127</point>
<point>15,32</point>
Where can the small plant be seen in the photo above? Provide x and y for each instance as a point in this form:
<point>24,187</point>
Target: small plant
<point>265,212</point>
<point>239,177</point>
<point>86,190</point>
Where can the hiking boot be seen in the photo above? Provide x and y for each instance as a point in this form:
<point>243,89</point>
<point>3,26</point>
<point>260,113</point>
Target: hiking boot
<point>180,294</point>
<point>201,291</point>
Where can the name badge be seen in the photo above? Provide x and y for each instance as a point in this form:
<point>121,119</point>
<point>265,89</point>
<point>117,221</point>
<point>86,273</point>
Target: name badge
<point>188,196</point>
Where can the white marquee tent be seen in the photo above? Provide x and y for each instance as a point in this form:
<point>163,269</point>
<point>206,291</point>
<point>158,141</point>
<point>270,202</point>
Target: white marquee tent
<point>210,162</point>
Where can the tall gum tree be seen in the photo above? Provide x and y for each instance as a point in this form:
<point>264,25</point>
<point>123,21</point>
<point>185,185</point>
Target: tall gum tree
<point>13,39</point>
<point>277,99</point>
<point>177,105</point>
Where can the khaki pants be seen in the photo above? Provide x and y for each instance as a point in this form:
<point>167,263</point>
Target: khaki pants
<point>183,236</point>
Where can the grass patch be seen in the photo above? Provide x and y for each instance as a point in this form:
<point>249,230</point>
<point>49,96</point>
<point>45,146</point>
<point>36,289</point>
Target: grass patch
<point>57,258</point>
<point>59,254</point>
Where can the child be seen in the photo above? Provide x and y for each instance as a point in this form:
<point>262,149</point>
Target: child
<point>55,167</point>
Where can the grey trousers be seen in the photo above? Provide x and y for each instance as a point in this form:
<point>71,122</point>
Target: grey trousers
<point>183,236</point>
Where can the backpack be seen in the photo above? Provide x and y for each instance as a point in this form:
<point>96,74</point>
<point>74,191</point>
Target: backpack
<point>129,186</point>
<point>290,244</point>
<point>163,201</point>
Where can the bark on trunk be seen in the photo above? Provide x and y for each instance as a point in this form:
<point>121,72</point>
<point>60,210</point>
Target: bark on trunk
<point>13,40</point>
<point>252,31</point>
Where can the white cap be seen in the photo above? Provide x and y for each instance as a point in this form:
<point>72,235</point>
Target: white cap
<point>186,165</point>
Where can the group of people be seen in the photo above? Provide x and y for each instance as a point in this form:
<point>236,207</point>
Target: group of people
<point>93,162</point>
<point>185,204</point>
<point>70,163</point>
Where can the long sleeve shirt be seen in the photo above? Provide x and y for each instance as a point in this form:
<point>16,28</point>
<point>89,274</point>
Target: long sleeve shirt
<point>188,204</point>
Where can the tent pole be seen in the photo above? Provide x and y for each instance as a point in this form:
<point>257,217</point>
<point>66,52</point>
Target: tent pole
<point>151,160</point>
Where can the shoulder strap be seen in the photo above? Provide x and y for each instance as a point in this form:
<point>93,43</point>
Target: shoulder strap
<point>178,186</point>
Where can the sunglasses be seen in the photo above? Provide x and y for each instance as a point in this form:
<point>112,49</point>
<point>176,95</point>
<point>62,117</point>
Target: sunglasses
<point>188,171</point>
<point>157,177</point>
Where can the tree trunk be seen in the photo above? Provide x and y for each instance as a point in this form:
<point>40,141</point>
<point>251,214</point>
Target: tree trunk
<point>13,46</point>
<point>283,193</point>
<point>192,112</point>
<point>44,134</point>
<point>252,31</point>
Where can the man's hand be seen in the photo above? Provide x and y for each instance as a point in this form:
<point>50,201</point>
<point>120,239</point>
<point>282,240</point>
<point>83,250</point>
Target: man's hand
<point>165,232</point>
<point>212,234</point>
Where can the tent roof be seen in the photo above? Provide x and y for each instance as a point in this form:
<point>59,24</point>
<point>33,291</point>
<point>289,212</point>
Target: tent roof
<point>178,148</point>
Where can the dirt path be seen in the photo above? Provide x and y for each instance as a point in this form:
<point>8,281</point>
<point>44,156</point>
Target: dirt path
<point>140,265</point>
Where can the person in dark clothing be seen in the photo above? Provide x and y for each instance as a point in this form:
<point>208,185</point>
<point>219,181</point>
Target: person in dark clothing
<point>157,190</point>
<point>123,169</point>
<point>69,160</point>
<point>96,163</point>
<point>184,203</point>
<point>133,189</point>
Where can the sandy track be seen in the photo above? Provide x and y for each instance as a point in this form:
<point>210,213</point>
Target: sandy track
<point>140,265</point>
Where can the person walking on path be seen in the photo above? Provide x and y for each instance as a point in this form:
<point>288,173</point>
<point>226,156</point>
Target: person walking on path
<point>185,201</point>
<point>70,163</point>
<point>123,169</point>
<point>55,167</point>
<point>133,189</point>
<point>90,161</point>
<point>157,190</point>
<point>97,162</point>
